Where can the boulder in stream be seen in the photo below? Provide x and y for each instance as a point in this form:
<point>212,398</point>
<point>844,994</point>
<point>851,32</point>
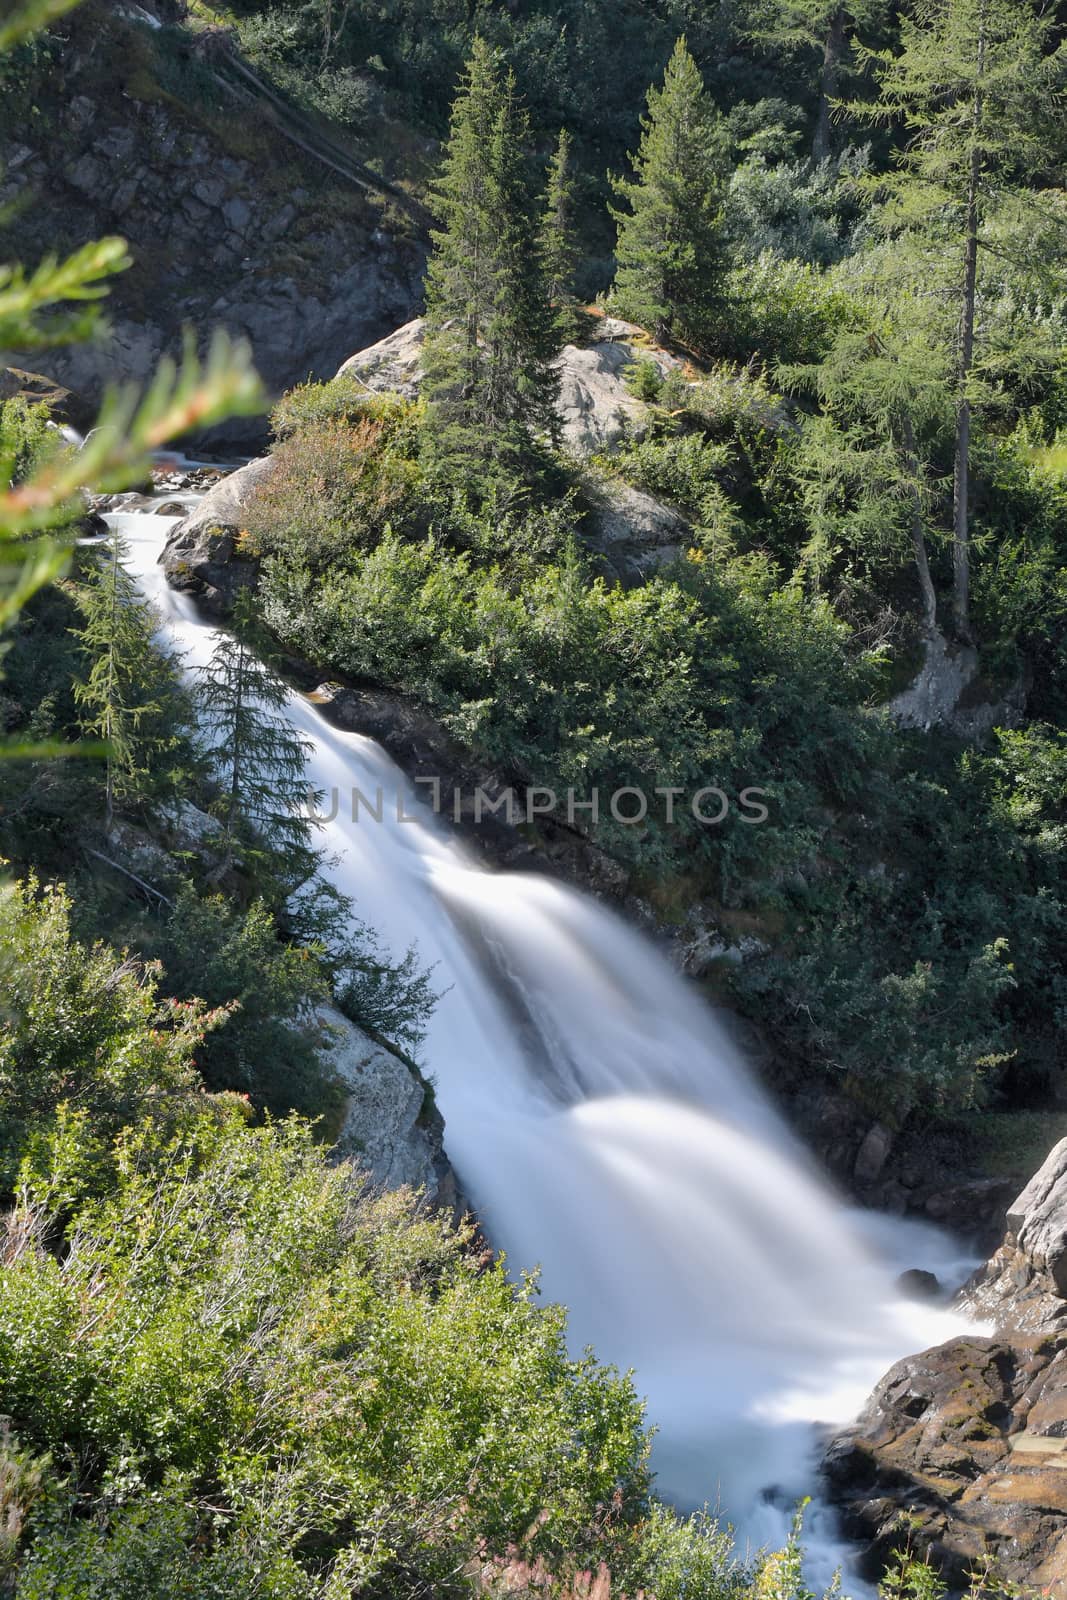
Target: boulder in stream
<point>202,555</point>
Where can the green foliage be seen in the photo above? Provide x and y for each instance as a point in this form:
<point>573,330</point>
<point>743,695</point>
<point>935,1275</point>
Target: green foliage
<point>235,962</point>
<point>375,1404</point>
<point>669,251</point>
<point>491,332</point>
<point>558,240</point>
<point>257,760</point>
<point>82,1032</point>
<point>685,469</point>
<point>785,311</point>
<point>344,399</point>
<point>796,211</point>
<point>25,437</point>
<point>128,694</point>
<point>338,484</point>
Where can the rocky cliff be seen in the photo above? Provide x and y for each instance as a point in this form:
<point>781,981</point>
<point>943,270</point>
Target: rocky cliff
<point>969,1440</point>
<point>231,221</point>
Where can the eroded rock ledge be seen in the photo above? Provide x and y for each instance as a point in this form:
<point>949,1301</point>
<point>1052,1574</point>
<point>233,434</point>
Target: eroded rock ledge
<point>969,1439</point>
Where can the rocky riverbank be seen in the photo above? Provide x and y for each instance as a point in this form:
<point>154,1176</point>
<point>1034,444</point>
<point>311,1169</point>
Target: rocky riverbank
<point>967,1442</point>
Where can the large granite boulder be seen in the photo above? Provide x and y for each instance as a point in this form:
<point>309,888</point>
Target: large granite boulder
<point>392,1127</point>
<point>202,555</point>
<point>595,406</point>
<point>968,1442</point>
<point>393,363</point>
<point>634,533</point>
<point>1024,1285</point>
<point>596,409</point>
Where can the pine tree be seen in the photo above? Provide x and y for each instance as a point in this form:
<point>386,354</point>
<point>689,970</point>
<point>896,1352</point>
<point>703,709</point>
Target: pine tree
<point>559,251</point>
<point>869,459</point>
<point>975,84</point>
<point>257,759</point>
<point>491,337</point>
<point>129,697</point>
<point>825,29</point>
<point>670,251</point>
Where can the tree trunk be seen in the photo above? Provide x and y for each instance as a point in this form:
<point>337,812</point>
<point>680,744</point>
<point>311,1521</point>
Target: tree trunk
<point>833,50</point>
<point>918,538</point>
<point>961,552</point>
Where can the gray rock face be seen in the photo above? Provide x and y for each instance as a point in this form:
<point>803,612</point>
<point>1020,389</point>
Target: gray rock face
<point>595,407</point>
<point>200,556</point>
<point>392,1129</point>
<point>947,693</point>
<point>634,533</point>
<point>305,274</point>
<point>1024,1285</point>
<point>391,364</point>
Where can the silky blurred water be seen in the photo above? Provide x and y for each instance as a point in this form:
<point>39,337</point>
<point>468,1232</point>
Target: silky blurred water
<point>608,1131</point>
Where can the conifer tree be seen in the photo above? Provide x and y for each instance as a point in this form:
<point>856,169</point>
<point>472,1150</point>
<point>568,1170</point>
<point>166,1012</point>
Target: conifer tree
<point>825,29</point>
<point>976,85</point>
<point>670,252</point>
<point>129,697</point>
<point>257,759</point>
<point>559,252</point>
<point>490,330</point>
<point>869,458</point>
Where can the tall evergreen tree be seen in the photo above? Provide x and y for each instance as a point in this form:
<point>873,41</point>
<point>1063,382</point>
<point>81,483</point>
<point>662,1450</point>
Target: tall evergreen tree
<point>258,761</point>
<point>869,459</point>
<point>490,330</point>
<point>129,696</point>
<point>559,249</point>
<point>670,250</point>
<point>824,29</point>
<point>976,85</point>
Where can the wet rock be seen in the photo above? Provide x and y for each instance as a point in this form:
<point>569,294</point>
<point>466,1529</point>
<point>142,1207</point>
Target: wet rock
<point>966,1440</point>
<point>873,1153</point>
<point>202,556</point>
<point>917,1284</point>
<point>969,1439</point>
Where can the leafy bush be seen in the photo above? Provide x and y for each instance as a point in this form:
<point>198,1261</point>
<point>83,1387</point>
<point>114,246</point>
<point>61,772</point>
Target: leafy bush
<point>336,487</point>
<point>684,468</point>
<point>784,311</point>
<point>82,1029</point>
<point>795,210</point>
<point>361,1397</point>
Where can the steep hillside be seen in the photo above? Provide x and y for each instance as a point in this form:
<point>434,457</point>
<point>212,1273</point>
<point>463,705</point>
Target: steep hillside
<point>236,211</point>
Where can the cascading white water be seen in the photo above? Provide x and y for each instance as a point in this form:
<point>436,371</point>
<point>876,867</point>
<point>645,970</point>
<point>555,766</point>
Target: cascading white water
<point>604,1125</point>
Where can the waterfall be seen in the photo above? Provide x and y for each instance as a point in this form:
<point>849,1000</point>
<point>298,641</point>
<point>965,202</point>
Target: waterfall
<point>606,1127</point>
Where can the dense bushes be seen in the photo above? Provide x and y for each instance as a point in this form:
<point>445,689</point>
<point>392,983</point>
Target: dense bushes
<point>905,964</point>
<point>226,1369</point>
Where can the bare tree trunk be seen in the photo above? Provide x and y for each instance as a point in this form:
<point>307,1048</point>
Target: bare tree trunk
<point>961,551</point>
<point>918,537</point>
<point>833,50</point>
